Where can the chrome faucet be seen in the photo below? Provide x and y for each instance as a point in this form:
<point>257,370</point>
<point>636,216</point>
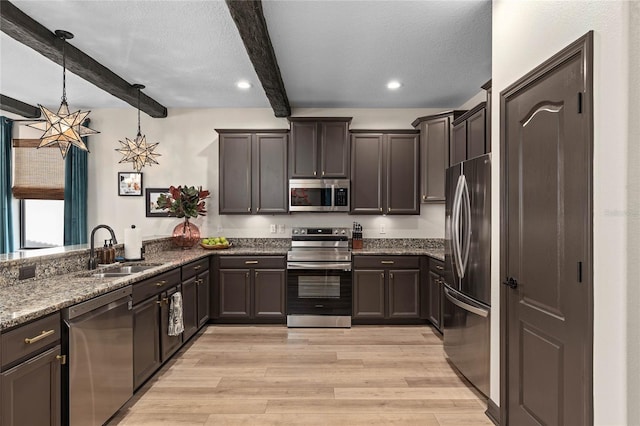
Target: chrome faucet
<point>92,254</point>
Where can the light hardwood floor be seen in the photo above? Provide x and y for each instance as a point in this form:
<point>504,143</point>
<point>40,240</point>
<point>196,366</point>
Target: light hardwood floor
<point>271,375</point>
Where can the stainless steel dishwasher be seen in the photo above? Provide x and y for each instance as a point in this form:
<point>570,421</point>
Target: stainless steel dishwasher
<point>99,345</point>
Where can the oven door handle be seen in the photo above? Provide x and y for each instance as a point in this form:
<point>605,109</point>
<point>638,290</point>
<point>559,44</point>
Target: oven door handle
<point>342,266</point>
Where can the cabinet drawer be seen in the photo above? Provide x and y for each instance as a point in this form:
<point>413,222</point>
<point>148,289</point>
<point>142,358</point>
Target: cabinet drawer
<point>30,338</point>
<point>263,262</point>
<point>154,285</point>
<point>395,262</point>
<point>436,266</point>
<point>194,268</point>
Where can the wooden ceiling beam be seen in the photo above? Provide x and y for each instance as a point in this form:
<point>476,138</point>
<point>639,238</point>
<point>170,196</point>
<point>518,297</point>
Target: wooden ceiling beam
<point>252,27</point>
<point>16,24</point>
<point>18,107</point>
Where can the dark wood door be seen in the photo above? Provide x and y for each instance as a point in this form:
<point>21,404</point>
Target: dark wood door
<point>476,134</point>
<point>334,149</point>
<point>270,181</point>
<point>204,288</point>
<point>235,173</point>
<point>190,307</point>
<point>404,293</point>
<point>146,340</point>
<point>303,149</point>
<point>435,300</point>
<point>402,174</point>
<point>235,293</point>
<point>434,154</point>
<point>367,157</point>
<point>547,146</point>
<point>368,293</point>
<point>31,391</point>
<point>168,344</point>
<point>269,293</point>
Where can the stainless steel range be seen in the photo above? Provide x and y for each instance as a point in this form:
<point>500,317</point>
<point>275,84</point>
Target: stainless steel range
<point>319,278</point>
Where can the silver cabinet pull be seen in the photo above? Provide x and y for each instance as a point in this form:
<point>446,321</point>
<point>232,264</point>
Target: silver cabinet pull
<point>62,359</point>
<point>439,268</point>
<point>160,283</point>
<point>195,268</point>
<point>30,340</point>
<point>382,274</point>
<point>249,209</point>
<point>387,262</point>
<point>250,262</point>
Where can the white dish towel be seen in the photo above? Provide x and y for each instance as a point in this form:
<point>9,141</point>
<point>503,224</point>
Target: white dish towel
<point>176,323</point>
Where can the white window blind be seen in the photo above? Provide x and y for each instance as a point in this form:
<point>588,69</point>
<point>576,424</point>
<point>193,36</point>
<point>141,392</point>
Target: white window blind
<point>38,173</point>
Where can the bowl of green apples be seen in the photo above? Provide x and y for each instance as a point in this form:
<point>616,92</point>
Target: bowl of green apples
<point>215,243</point>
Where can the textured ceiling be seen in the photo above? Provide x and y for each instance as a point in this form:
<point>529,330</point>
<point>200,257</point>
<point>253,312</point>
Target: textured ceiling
<point>331,53</point>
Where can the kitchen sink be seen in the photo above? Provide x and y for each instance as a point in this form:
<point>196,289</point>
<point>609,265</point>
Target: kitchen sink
<point>119,270</point>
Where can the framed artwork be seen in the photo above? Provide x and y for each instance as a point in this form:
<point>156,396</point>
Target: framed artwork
<point>152,195</point>
<point>130,183</point>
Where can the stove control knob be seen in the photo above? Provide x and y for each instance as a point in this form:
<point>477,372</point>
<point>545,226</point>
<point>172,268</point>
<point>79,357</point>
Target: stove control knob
<point>303,231</point>
<point>343,232</point>
<point>335,231</point>
<point>295,231</point>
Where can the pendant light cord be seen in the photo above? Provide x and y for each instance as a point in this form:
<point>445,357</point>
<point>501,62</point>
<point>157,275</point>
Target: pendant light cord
<point>139,133</point>
<point>64,72</point>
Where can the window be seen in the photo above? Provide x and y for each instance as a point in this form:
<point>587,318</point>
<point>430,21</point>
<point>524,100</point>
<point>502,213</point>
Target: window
<point>41,223</point>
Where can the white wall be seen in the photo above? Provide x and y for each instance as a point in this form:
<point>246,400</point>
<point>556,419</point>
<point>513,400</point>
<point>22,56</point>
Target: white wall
<point>525,34</point>
<point>481,96</point>
<point>189,149</point>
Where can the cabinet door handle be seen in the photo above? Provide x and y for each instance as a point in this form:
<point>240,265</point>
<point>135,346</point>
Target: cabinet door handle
<point>387,262</point>
<point>380,209</point>
<point>247,275</point>
<point>323,173</point>
<point>258,209</point>
<point>440,268</point>
<point>250,262</point>
<point>160,283</point>
<point>195,268</point>
<point>249,209</point>
<point>315,173</point>
<point>382,274</point>
<point>424,198</point>
<point>256,273</point>
<point>30,340</point>
<point>62,359</point>
<point>391,275</point>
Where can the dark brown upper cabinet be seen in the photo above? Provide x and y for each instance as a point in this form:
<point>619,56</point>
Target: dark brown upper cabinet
<point>253,171</point>
<point>435,134</point>
<point>385,172</point>
<point>319,147</point>
<point>469,135</point>
<point>487,88</point>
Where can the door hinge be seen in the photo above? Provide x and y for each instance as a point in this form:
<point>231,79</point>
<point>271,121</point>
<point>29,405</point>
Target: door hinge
<point>579,102</point>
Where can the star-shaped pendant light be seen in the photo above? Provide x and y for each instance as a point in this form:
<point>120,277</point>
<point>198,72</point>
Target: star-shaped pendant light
<point>138,151</point>
<point>62,128</point>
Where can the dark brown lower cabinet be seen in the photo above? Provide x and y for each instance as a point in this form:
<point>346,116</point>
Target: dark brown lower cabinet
<point>251,288</point>
<point>31,391</point>
<point>435,285</point>
<point>390,291</point>
<point>168,344</point>
<point>203,289</point>
<point>190,307</point>
<point>146,340</point>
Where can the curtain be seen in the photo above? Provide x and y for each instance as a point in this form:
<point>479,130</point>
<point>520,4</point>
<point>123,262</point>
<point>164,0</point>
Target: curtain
<point>6,220</point>
<point>75,195</point>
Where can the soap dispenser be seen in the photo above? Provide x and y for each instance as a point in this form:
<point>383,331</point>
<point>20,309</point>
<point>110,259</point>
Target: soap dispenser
<point>112,252</point>
<point>103,254</point>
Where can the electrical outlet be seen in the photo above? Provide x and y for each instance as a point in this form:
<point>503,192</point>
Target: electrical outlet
<point>383,229</point>
<point>272,228</point>
<point>280,229</point>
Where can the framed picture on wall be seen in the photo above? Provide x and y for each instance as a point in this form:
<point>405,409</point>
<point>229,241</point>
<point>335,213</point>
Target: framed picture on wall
<point>152,195</point>
<point>130,183</point>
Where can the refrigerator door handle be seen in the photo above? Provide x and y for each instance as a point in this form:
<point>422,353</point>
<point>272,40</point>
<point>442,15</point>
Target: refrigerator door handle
<point>466,306</point>
<point>455,226</point>
<point>466,241</point>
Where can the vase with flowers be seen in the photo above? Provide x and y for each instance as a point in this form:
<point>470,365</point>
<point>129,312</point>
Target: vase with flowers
<point>187,202</point>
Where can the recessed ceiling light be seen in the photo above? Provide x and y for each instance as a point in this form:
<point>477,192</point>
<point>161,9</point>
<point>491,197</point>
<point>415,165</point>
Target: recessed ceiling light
<point>243,85</point>
<point>393,85</point>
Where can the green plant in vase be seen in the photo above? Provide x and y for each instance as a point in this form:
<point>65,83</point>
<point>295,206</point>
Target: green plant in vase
<point>185,201</point>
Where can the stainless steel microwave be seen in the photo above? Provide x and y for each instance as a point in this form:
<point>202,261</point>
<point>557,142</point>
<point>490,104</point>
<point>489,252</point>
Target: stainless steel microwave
<point>319,195</point>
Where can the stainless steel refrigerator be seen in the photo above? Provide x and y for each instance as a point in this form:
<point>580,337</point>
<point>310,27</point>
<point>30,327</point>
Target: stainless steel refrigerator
<point>468,269</point>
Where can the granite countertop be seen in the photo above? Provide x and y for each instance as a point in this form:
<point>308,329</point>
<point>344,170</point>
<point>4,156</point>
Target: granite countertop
<point>436,253</point>
<point>30,300</point>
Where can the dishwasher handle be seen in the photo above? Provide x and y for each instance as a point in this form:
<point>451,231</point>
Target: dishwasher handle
<point>92,304</point>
